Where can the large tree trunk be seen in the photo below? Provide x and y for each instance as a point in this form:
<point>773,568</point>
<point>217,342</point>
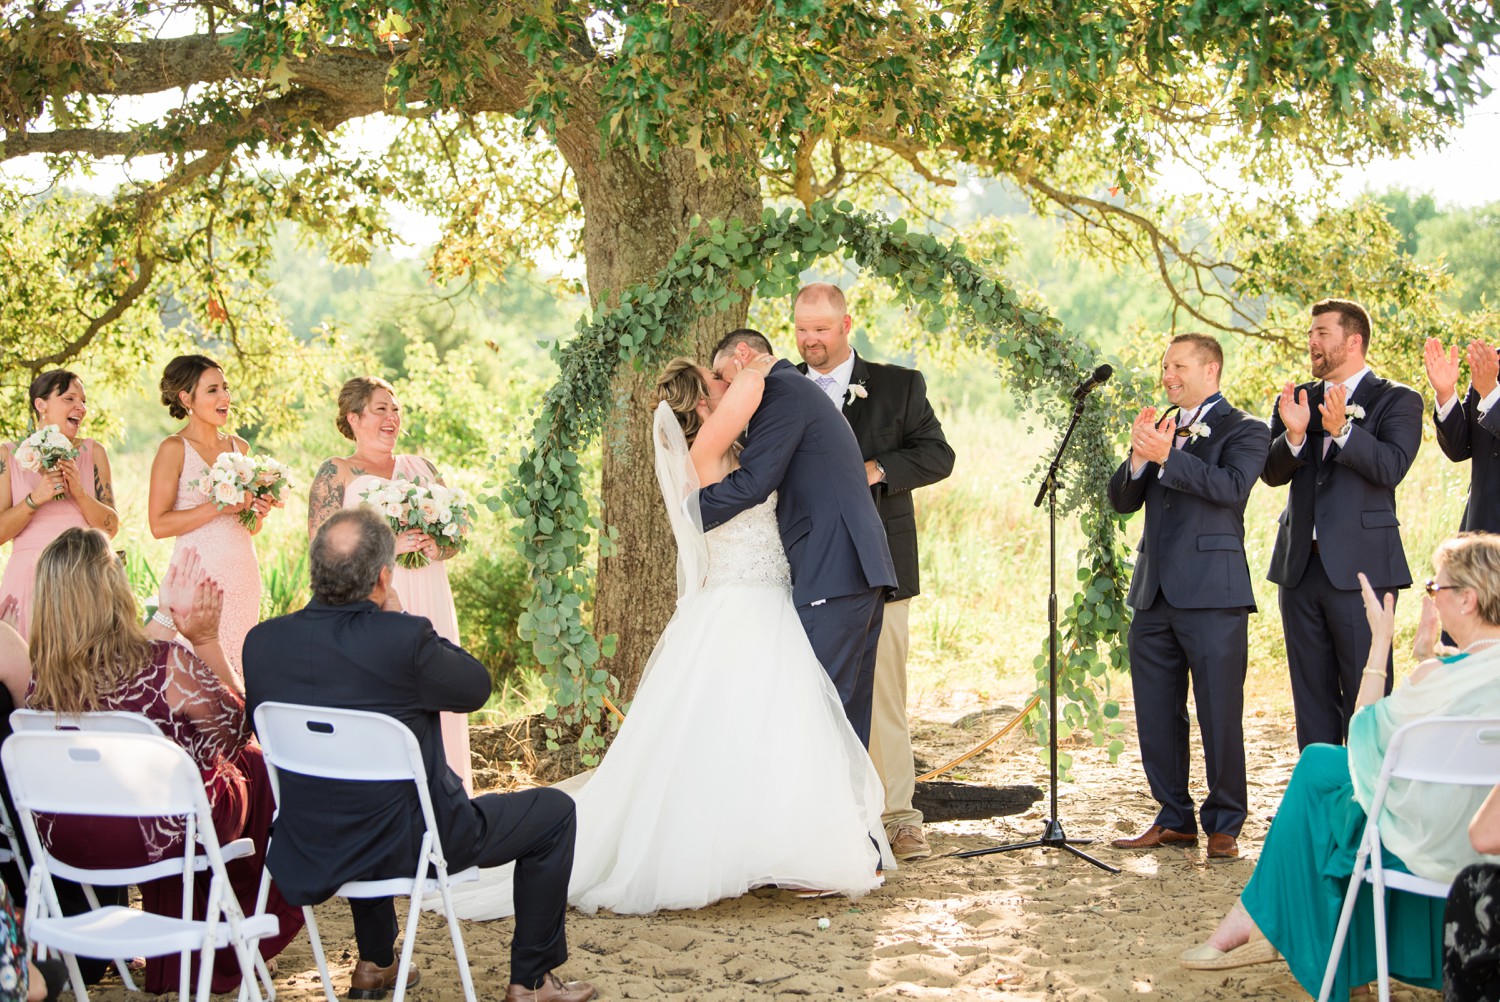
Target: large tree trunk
<point>635,218</point>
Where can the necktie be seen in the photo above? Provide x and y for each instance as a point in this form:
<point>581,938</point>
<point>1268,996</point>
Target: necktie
<point>1183,432</point>
<point>824,382</point>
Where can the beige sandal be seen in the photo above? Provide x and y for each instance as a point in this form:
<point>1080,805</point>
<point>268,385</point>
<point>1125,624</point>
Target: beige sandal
<point>1257,950</point>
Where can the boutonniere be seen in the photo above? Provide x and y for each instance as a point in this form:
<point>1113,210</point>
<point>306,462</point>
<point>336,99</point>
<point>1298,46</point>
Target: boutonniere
<point>1355,411</point>
<point>1198,430</point>
<point>857,391</point>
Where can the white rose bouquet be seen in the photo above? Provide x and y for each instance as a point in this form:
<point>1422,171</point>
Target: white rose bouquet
<point>43,449</point>
<point>233,474</point>
<point>444,513</point>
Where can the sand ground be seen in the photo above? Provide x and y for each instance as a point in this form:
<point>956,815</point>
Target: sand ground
<point>1035,924</point>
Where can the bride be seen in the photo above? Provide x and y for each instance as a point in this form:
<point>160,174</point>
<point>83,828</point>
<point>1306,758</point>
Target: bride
<point>736,767</point>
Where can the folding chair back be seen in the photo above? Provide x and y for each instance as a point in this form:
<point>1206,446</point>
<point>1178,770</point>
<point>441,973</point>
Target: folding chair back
<point>1455,751</point>
<point>360,746</point>
<point>107,721</point>
<point>124,775</point>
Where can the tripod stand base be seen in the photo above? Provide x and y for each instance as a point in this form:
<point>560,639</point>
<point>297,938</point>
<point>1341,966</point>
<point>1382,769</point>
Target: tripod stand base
<point>1052,838</point>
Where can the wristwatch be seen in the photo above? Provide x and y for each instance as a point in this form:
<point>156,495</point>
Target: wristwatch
<point>880,468</point>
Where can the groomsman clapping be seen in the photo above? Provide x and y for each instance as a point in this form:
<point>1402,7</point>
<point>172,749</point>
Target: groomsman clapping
<point>1191,469</point>
<point>1469,428</point>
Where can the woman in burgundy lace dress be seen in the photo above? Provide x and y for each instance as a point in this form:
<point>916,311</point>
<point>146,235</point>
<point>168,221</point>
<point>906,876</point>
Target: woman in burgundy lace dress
<point>90,652</point>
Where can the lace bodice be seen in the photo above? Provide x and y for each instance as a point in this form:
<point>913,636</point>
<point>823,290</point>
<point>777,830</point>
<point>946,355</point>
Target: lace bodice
<point>746,550</point>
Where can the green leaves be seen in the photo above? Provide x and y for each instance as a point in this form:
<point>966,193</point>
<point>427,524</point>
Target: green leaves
<point>953,297</point>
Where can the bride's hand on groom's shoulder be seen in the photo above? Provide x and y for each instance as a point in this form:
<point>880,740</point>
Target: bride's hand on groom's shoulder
<point>762,364</point>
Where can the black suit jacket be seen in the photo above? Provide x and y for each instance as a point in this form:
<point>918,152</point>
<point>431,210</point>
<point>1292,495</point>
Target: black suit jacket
<point>1464,434</point>
<point>1351,493</point>
<point>1193,547</point>
<point>894,425</point>
<point>798,443</point>
<point>358,657</point>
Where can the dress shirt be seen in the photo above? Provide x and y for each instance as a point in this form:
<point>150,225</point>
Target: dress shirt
<point>840,385</point>
<point>1485,404</point>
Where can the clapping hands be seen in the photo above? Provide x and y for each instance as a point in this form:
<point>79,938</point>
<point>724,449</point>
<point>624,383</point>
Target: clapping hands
<point>1381,615</point>
<point>191,598</point>
<point>10,612</point>
<point>1443,368</point>
<point>1150,439</point>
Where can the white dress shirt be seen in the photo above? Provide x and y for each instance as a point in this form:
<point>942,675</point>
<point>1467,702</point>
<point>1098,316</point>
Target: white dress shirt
<point>840,374</point>
<point>1485,404</point>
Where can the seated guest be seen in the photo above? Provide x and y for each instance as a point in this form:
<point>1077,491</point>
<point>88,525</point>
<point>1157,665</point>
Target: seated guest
<point>89,652</point>
<point>1291,905</point>
<point>1471,922</point>
<point>351,648</point>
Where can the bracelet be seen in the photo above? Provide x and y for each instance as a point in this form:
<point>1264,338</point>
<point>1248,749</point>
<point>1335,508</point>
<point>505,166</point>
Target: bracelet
<point>1377,672</point>
<point>31,504</point>
<point>162,619</point>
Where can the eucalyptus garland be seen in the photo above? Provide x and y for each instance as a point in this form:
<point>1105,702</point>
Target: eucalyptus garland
<point>952,296</point>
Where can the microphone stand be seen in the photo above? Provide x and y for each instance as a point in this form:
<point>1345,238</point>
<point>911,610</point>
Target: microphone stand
<point>1052,836</point>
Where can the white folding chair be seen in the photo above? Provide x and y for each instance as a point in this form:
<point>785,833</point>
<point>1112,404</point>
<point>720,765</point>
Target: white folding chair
<point>1460,751</point>
<point>119,722</point>
<point>105,721</point>
<point>359,746</point>
<point>126,775</point>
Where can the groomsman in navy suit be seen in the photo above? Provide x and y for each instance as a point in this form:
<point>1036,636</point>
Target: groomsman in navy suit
<point>1191,469</point>
<point>1470,428</point>
<point>1343,442</point>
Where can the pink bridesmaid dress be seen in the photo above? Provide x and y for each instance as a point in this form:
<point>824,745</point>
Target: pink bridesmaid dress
<point>227,552</point>
<point>424,591</point>
<point>46,524</point>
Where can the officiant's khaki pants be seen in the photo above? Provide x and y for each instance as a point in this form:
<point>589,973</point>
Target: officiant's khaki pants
<point>890,732</point>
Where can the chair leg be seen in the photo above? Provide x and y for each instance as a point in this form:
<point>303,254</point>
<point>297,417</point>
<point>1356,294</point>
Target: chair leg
<point>1336,951</point>
<point>1382,961</point>
<point>80,993</point>
<point>408,941</point>
<point>317,951</point>
<point>459,953</point>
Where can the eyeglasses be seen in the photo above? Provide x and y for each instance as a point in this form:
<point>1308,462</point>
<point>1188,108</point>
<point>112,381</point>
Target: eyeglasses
<point>1432,587</point>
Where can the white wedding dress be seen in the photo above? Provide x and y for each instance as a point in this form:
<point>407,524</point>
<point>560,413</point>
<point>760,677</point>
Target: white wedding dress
<point>735,767</point>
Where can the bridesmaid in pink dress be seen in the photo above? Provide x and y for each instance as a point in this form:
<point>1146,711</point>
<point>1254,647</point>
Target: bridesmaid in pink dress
<point>193,387</point>
<point>370,415</point>
<point>39,506</point>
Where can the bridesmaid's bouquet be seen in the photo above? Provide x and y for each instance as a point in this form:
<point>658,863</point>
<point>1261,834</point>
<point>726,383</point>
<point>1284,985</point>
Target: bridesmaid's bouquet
<point>43,449</point>
<point>232,474</point>
<point>444,513</point>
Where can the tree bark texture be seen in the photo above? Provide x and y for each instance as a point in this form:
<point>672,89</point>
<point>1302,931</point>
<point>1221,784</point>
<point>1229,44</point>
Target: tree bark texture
<point>636,215</point>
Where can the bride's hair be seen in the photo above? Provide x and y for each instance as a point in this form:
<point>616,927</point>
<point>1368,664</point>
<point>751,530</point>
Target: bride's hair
<point>681,385</point>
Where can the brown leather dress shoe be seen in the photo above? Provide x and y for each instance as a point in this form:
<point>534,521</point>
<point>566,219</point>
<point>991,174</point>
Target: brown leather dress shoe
<point>1156,837</point>
<point>1222,846</point>
<point>552,989</point>
<point>371,982</point>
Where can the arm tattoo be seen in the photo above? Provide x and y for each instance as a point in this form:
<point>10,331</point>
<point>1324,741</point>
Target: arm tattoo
<point>2,465</point>
<point>103,489</point>
<point>323,497</point>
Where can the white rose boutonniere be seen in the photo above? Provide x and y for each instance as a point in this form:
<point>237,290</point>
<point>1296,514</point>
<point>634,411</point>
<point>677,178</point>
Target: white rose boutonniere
<point>1355,411</point>
<point>1198,430</point>
<point>857,391</point>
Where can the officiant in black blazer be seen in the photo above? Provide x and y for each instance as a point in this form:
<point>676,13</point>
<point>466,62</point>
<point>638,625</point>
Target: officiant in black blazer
<point>902,444</point>
<point>1469,428</point>
<point>1343,442</point>
<point>352,648</point>
<point>1191,469</point>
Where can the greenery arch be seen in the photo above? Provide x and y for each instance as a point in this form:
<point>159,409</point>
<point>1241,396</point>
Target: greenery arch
<point>1033,352</point>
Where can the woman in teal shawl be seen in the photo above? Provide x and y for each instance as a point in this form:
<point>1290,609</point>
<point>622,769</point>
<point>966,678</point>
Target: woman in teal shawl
<point>1290,908</point>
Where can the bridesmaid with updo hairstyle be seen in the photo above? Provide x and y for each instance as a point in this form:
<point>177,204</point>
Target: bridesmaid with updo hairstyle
<point>35,508</point>
<point>193,388</point>
<point>369,415</point>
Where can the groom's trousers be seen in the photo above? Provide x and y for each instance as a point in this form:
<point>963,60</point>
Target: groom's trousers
<point>845,632</point>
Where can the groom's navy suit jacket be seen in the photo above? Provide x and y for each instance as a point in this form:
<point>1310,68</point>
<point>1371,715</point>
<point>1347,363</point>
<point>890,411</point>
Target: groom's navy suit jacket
<point>799,444</point>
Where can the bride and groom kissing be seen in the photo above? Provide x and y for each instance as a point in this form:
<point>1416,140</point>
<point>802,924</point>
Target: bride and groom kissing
<point>743,762</point>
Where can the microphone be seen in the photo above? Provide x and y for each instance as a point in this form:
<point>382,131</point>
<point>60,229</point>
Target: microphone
<point>1100,376</point>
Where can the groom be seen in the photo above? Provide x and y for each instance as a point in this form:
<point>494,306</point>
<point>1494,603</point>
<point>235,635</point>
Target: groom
<point>799,445</point>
